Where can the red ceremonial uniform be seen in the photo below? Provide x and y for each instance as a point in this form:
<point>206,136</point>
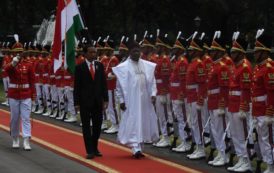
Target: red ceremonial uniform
<point>21,80</point>
<point>6,60</point>
<point>270,89</point>
<point>68,79</point>
<point>261,86</point>
<point>218,82</point>
<point>80,59</point>
<point>162,74</point>
<point>104,60</point>
<point>207,62</point>
<point>195,81</point>
<point>239,87</point>
<point>39,69</point>
<point>111,82</point>
<point>178,79</point>
<point>46,77</point>
<point>59,77</point>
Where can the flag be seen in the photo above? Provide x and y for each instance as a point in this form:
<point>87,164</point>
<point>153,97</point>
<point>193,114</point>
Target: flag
<point>68,23</point>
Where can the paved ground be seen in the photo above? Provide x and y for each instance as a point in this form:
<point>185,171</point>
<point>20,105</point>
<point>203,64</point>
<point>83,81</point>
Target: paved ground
<point>39,160</point>
<point>47,161</point>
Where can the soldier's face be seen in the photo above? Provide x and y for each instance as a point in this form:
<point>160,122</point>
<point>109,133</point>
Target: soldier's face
<point>260,56</point>
<point>236,56</point>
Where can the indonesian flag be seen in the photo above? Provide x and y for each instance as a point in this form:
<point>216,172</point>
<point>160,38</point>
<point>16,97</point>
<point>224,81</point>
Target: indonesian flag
<point>68,23</point>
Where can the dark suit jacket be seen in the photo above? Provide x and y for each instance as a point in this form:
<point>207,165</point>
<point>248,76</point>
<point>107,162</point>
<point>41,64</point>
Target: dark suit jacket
<point>89,92</point>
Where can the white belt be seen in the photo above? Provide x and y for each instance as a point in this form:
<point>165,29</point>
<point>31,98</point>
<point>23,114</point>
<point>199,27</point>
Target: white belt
<point>52,76</point>
<point>214,91</point>
<point>192,86</point>
<point>159,81</point>
<point>36,74</point>
<point>67,77</point>
<point>45,74</point>
<point>235,93</point>
<point>175,84</point>
<point>259,98</point>
<point>58,77</point>
<point>18,85</point>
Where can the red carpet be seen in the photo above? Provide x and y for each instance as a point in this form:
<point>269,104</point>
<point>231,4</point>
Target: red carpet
<point>116,157</point>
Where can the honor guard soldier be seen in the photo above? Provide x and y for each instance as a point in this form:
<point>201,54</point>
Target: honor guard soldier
<point>147,48</point>
<point>123,49</point>
<point>239,100</point>
<point>162,75</point>
<point>79,54</point>
<point>178,90</point>
<point>46,80</point>
<point>195,85</point>
<point>60,85</point>
<point>111,84</point>
<point>218,82</point>
<point>262,96</point>
<point>53,88</point>
<point>38,70</point>
<point>21,91</point>
<point>6,60</point>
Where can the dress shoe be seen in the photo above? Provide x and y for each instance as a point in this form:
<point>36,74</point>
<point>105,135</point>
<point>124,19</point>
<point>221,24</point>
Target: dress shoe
<point>90,156</point>
<point>98,154</point>
<point>138,155</point>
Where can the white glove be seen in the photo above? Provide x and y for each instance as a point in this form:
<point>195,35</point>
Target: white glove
<point>268,120</point>
<point>198,107</point>
<point>111,76</point>
<point>221,112</point>
<point>179,102</point>
<point>15,61</point>
<point>163,99</point>
<point>242,115</point>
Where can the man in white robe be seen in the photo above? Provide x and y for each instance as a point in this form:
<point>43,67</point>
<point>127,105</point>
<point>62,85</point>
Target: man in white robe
<point>136,90</point>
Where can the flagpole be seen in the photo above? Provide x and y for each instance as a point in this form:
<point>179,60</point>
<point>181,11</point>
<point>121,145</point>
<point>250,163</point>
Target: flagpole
<point>65,41</point>
<point>84,22</point>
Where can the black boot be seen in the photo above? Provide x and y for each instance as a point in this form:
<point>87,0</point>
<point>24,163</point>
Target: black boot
<point>230,163</point>
<point>211,155</point>
<point>258,167</point>
<point>192,148</point>
<point>173,145</point>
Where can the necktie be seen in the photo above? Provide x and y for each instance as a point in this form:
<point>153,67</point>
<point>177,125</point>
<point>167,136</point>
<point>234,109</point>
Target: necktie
<point>92,71</point>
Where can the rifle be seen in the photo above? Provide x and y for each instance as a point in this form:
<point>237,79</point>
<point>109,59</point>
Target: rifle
<point>175,127</point>
<point>270,138</point>
<point>250,132</point>
<point>200,124</point>
<point>246,134</point>
<point>166,116</point>
<point>206,124</point>
<point>226,128</point>
<point>187,127</point>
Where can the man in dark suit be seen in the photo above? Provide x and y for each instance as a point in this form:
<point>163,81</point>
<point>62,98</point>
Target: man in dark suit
<point>91,98</point>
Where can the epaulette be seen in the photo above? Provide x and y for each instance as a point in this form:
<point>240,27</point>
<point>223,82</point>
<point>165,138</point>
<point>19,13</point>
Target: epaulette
<point>222,64</point>
<point>268,65</point>
<point>245,65</point>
